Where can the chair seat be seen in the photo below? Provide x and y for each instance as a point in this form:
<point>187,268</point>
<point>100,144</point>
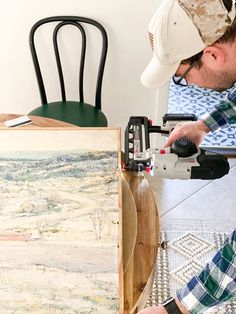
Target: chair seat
<point>73,112</point>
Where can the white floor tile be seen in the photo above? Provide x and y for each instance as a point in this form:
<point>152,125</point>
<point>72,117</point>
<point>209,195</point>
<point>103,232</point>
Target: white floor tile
<point>210,203</point>
<point>228,183</point>
<point>170,193</point>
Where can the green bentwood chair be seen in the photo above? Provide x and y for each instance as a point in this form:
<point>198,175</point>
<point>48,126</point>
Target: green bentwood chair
<point>76,112</point>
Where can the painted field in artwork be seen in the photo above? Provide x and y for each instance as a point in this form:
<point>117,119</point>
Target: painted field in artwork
<point>59,215</point>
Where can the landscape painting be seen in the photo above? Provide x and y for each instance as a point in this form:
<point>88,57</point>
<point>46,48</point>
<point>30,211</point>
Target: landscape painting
<point>59,221</point>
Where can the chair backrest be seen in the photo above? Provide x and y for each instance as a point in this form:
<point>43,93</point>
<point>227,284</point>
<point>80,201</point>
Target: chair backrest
<point>75,21</point>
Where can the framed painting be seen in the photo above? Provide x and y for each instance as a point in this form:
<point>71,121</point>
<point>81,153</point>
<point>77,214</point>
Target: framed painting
<point>59,221</point>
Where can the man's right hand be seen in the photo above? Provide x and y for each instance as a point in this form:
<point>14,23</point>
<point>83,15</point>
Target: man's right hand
<point>193,130</point>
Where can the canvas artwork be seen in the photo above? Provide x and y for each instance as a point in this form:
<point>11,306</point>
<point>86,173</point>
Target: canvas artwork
<point>59,221</point>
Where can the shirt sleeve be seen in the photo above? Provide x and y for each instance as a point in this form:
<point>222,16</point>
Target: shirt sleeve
<point>222,114</point>
<point>215,284</point>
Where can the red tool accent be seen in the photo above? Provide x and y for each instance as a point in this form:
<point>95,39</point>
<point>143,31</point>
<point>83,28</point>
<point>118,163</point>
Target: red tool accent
<point>162,151</point>
<point>123,166</point>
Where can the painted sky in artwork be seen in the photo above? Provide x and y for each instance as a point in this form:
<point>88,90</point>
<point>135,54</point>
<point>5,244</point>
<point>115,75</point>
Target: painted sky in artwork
<point>58,140</point>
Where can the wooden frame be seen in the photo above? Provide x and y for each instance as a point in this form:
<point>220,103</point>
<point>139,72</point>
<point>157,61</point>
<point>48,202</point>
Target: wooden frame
<point>139,214</point>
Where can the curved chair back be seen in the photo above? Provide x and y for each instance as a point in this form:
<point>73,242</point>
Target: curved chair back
<point>77,22</point>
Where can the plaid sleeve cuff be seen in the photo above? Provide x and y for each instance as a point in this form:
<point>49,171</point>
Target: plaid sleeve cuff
<point>215,284</point>
<point>223,113</point>
<point>195,297</point>
<point>209,120</point>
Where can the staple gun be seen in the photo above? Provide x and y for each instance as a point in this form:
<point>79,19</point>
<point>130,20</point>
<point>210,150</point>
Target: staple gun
<point>183,160</point>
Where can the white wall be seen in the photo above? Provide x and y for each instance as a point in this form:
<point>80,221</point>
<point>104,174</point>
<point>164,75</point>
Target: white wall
<point>126,22</point>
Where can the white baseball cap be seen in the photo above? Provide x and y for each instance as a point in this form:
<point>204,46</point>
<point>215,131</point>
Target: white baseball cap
<point>180,29</point>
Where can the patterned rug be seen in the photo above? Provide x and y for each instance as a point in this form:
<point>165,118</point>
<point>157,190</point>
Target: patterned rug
<point>182,255</point>
<point>193,99</point>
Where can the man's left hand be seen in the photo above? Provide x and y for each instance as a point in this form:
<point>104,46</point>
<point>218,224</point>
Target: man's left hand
<point>153,310</point>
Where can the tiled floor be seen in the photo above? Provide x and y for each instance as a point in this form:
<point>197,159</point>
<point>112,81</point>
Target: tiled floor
<point>197,202</point>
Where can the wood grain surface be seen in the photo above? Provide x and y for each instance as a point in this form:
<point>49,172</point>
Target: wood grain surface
<point>36,121</point>
<point>139,208</point>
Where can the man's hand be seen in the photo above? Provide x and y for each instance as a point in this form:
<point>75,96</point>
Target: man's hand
<point>154,310</point>
<point>161,310</point>
<point>193,130</point>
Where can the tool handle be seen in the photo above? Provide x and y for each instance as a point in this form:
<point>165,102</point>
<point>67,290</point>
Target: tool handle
<point>179,117</point>
<point>136,137</point>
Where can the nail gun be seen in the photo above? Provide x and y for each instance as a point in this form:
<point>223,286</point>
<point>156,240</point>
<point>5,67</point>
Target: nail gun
<point>183,160</point>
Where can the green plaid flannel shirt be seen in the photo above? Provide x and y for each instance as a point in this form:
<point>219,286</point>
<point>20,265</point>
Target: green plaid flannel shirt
<point>223,113</point>
<point>217,281</point>
<point>215,284</point>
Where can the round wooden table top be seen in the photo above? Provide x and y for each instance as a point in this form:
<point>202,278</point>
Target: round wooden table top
<point>36,121</point>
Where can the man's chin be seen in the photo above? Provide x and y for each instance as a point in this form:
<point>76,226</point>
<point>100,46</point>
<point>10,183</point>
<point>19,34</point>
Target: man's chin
<point>220,84</point>
<point>221,89</point>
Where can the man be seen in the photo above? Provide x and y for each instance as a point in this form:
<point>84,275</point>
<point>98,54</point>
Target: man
<point>194,41</point>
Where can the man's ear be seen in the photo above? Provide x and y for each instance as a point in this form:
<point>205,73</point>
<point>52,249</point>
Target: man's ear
<point>214,56</point>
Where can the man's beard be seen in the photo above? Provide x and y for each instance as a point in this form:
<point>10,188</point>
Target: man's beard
<point>220,80</point>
